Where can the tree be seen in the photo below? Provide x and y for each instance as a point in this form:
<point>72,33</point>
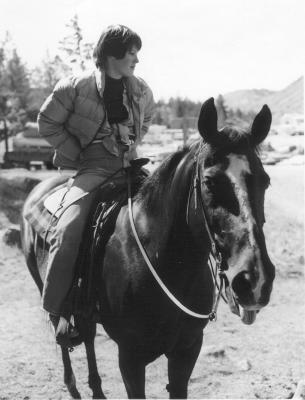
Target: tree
<point>19,84</point>
<point>51,70</point>
<point>163,113</point>
<point>43,80</point>
<point>222,111</point>
<point>73,46</point>
<point>3,83</point>
<point>14,83</point>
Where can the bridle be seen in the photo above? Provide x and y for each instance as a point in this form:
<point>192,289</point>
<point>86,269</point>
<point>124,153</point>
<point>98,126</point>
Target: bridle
<point>220,263</point>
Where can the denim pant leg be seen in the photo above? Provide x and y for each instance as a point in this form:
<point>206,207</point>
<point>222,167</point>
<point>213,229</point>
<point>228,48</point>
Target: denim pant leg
<point>64,246</point>
<point>97,166</point>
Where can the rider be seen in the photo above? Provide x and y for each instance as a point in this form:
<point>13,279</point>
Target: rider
<point>95,122</point>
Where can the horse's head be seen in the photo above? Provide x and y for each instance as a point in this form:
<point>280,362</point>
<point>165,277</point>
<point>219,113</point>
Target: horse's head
<point>233,185</point>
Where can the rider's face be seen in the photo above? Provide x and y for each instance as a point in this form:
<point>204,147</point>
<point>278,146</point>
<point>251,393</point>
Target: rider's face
<point>125,66</point>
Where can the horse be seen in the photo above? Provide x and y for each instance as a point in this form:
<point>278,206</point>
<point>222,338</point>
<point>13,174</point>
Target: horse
<point>158,289</point>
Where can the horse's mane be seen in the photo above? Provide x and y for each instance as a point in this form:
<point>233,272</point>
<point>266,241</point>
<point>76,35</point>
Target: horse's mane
<point>158,183</point>
<point>237,140</point>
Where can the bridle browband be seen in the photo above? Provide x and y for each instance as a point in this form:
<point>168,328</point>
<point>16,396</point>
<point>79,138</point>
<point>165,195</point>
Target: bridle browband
<point>220,263</point>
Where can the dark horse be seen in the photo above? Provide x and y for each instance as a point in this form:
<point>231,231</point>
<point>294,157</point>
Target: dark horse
<point>210,192</point>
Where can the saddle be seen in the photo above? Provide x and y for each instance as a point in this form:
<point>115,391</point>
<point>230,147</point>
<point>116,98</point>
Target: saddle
<point>43,214</point>
<point>84,299</point>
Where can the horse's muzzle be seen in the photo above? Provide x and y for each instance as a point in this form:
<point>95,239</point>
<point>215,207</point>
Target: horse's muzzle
<point>251,291</point>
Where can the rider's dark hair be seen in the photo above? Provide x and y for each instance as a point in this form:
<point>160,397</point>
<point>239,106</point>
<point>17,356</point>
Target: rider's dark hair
<point>115,41</point>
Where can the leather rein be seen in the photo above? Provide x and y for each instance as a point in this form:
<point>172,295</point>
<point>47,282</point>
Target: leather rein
<point>220,264</point>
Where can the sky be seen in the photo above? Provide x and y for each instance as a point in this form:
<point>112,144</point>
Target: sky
<point>191,48</point>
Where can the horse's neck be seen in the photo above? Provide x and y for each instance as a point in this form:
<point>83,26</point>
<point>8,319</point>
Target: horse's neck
<point>162,218</point>
<point>153,230</point>
<point>168,239</point>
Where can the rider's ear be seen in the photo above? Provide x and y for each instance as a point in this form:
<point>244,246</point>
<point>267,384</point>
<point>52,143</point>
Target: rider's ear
<point>207,121</point>
<point>261,125</point>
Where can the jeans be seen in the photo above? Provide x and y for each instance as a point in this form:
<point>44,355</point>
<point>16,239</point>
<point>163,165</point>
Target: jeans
<point>96,166</point>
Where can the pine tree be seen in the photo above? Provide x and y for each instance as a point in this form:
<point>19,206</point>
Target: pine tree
<point>18,80</point>
<point>4,92</point>
<point>222,111</point>
<point>51,70</point>
<point>14,81</point>
<point>73,46</point>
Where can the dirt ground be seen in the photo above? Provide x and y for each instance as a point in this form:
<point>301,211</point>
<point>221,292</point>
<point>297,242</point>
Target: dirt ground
<point>264,361</point>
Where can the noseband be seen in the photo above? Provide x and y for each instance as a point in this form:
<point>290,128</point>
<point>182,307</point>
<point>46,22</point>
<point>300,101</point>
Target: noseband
<point>220,264</point>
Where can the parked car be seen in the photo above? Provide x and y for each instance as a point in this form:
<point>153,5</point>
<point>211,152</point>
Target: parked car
<point>28,149</point>
<point>24,141</point>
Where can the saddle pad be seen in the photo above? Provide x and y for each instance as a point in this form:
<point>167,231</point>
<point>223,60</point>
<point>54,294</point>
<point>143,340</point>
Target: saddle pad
<point>38,216</point>
<point>52,202</point>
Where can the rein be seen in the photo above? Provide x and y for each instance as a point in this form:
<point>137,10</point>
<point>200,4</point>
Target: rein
<point>219,266</point>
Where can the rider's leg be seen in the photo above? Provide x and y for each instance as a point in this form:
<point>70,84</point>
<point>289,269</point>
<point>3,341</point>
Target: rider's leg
<point>96,166</point>
<point>64,245</point>
<point>66,238</point>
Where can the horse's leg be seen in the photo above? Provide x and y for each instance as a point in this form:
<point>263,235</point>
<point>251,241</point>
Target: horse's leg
<point>94,380</point>
<point>69,377</point>
<point>133,374</point>
<point>181,362</point>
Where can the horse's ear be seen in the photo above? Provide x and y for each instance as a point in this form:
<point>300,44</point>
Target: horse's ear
<point>207,121</point>
<point>261,125</point>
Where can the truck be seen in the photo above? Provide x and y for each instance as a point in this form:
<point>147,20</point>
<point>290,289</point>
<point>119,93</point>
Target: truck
<point>27,149</point>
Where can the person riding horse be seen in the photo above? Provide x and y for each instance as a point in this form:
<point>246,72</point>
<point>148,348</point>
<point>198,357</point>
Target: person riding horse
<point>156,285</point>
<point>95,122</point>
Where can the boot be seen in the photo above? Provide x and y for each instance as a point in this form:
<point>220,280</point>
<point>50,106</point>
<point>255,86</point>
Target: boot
<point>66,334</point>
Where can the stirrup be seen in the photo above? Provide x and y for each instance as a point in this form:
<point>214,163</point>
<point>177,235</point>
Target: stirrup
<point>139,162</point>
<point>68,339</point>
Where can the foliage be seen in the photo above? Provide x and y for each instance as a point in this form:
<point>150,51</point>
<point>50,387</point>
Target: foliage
<point>51,70</point>
<point>43,80</point>
<point>74,47</point>
<point>22,91</point>
<point>14,84</point>
<point>175,108</point>
<point>222,111</point>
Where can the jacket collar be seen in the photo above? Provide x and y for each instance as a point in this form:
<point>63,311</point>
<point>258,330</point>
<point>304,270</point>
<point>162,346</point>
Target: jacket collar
<point>135,88</point>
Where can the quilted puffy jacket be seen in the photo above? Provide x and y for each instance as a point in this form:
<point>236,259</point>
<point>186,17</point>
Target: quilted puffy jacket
<point>72,115</point>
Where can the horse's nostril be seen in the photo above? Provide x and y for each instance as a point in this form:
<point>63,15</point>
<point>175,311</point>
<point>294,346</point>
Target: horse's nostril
<point>242,287</point>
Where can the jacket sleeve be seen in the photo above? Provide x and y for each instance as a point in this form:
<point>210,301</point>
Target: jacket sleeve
<point>52,117</point>
<point>149,110</point>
